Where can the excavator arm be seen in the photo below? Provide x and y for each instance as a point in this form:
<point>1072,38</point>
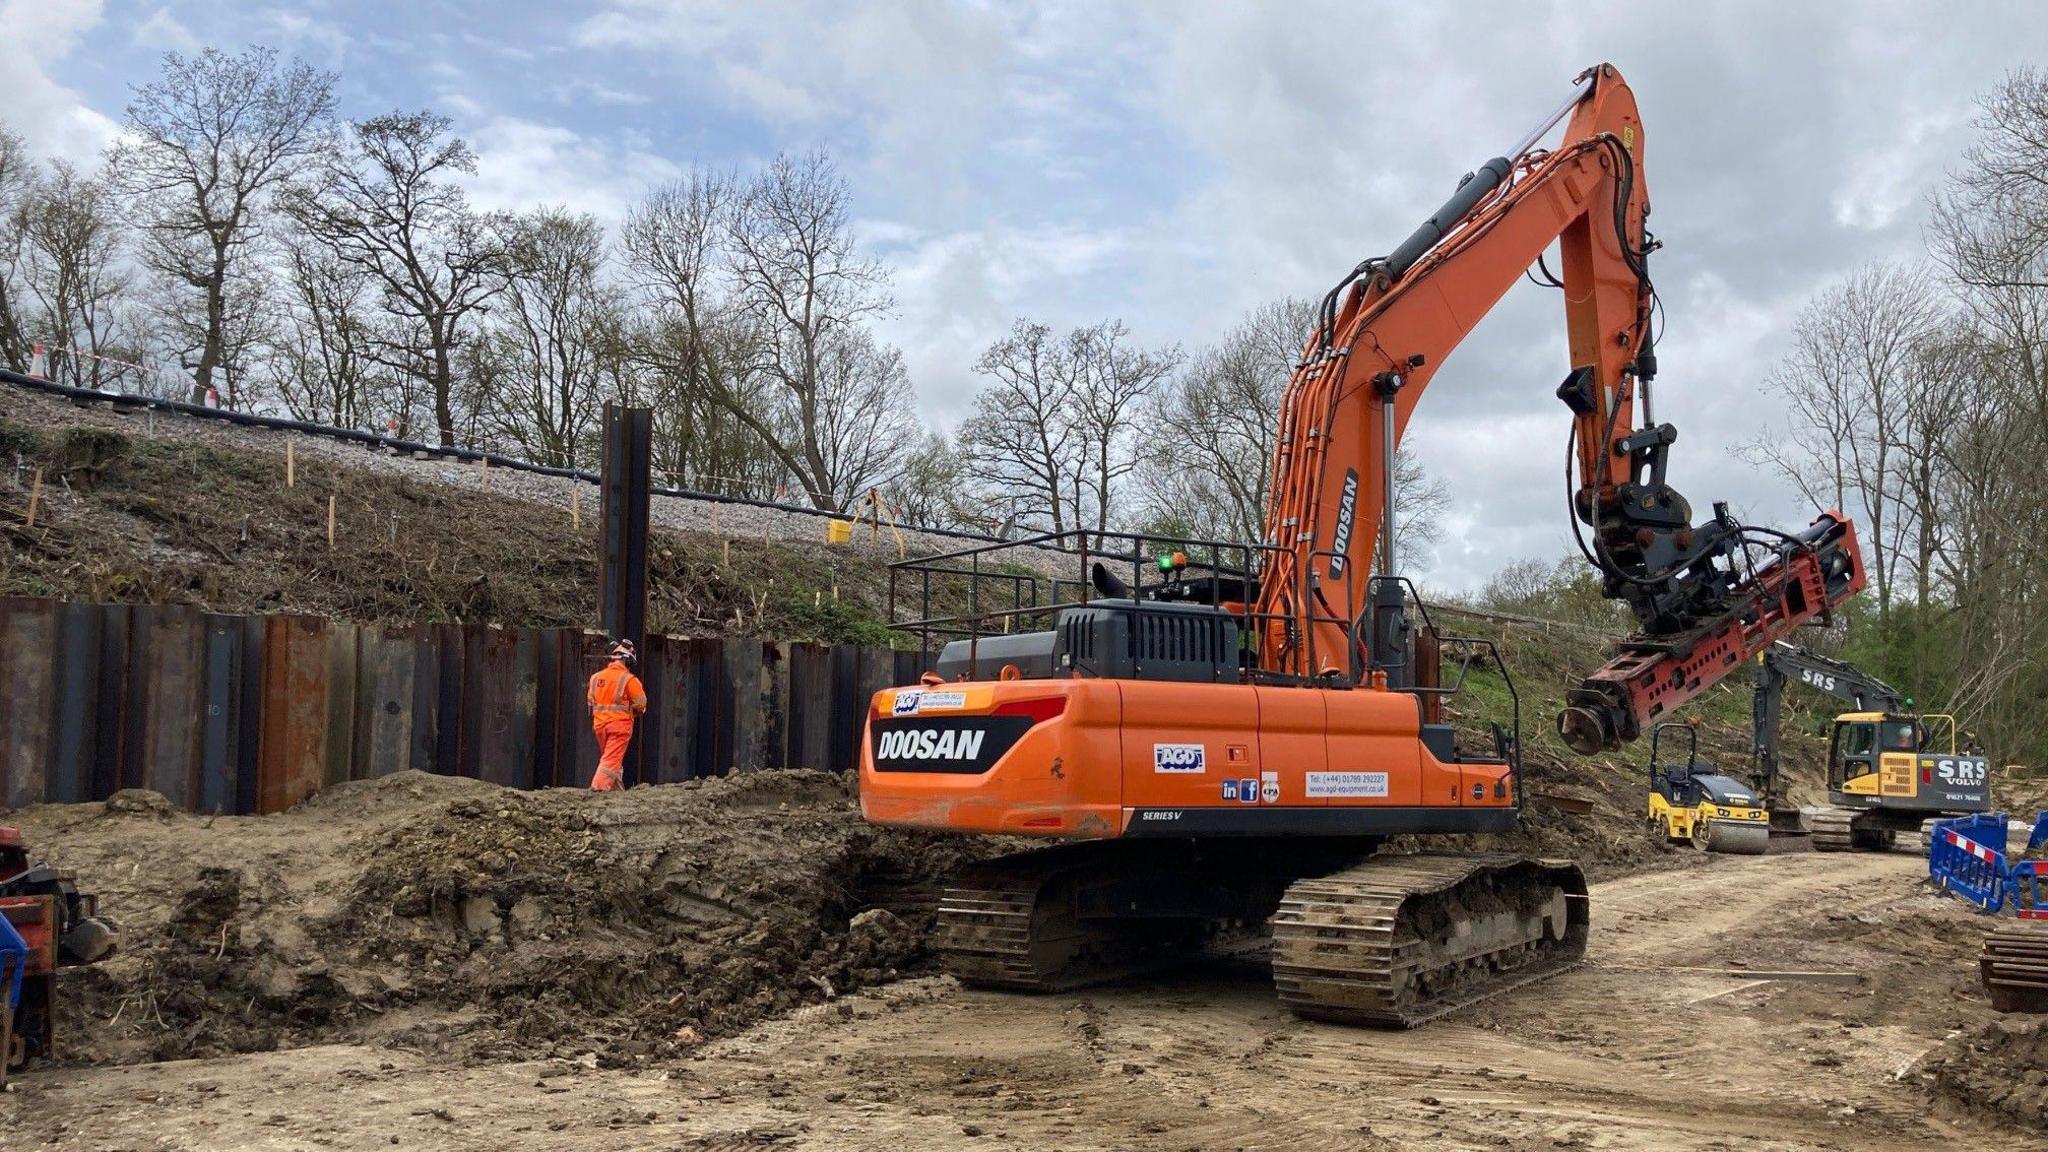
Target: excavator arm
<point>1782,663</point>
<point>1708,596</point>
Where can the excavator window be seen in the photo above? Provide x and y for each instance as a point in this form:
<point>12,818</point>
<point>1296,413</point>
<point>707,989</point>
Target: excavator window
<point>1856,739</point>
<point>1900,736</point>
<point>1854,751</point>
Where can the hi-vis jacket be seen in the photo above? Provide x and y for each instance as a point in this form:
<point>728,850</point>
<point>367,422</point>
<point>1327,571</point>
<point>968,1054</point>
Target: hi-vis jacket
<point>615,695</point>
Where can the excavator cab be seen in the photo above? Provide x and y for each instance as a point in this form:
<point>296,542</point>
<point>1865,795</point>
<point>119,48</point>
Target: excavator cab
<point>1892,757</point>
<point>1691,803</point>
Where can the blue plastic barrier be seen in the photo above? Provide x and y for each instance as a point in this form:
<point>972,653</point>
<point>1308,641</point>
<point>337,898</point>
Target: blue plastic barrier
<point>2027,885</point>
<point>1967,857</point>
<point>2027,880</point>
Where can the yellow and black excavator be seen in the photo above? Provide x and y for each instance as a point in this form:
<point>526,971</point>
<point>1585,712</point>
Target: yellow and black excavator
<point>1890,769</point>
<point>1225,745</point>
<point>1690,803</point>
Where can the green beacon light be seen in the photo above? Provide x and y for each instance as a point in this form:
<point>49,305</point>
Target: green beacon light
<point>1166,561</point>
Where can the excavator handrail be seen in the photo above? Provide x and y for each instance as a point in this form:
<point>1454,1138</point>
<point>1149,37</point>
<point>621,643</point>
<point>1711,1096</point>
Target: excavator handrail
<point>1953,729</point>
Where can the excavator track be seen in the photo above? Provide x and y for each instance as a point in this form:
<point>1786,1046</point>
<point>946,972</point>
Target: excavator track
<point>1399,941</point>
<point>1927,830</point>
<point>1015,922</point>
<point>1831,829</point>
<point>2014,967</point>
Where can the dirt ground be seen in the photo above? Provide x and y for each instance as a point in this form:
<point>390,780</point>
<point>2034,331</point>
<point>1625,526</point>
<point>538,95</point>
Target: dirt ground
<point>455,917</point>
<point>432,1025</point>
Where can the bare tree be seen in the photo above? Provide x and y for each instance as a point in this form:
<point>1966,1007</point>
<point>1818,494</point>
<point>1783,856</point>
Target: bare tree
<point>693,347</point>
<point>1220,415</point>
<point>759,302</point>
<point>1420,501</point>
<point>806,289</point>
<point>390,206</point>
<point>18,176</point>
<point>77,275</point>
<point>205,145</point>
<point>1990,223</point>
<point>542,362</point>
<point>934,489</point>
<point>1565,591</point>
<point>1022,440</point>
<point>320,357</point>
<point>1116,380</point>
<point>868,415</point>
<point>1850,378</point>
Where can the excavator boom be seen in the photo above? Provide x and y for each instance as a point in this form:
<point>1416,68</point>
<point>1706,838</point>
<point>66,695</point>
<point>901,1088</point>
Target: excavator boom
<point>1707,595</point>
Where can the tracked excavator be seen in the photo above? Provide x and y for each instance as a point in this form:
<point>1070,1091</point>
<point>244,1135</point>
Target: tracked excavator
<point>1890,770</point>
<point>1224,742</point>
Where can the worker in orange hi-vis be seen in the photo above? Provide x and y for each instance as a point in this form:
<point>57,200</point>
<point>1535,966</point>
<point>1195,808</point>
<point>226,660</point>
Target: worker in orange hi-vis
<point>616,698</point>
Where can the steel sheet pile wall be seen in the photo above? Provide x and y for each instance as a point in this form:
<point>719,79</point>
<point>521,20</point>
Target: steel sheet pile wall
<point>255,713</point>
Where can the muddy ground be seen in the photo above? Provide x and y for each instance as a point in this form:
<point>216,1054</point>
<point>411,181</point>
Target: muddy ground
<point>423,961</point>
<point>455,917</point>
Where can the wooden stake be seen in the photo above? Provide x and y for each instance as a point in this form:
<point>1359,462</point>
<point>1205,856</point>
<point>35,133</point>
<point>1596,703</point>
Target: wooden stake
<point>576,509</point>
<point>330,521</point>
<point>818,599</point>
<point>35,496</point>
<point>291,465</point>
<point>835,593</point>
<point>725,553</point>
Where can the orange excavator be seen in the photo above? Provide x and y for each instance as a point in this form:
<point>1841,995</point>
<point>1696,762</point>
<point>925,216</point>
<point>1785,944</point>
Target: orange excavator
<point>1224,749</point>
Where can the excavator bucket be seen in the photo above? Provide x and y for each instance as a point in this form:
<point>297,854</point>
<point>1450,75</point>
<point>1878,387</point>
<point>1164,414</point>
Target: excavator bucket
<point>2014,967</point>
<point>1737,838</point>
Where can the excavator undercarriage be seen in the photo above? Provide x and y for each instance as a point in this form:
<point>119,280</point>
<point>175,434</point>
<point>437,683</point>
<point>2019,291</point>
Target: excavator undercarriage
<point>1388,941</point>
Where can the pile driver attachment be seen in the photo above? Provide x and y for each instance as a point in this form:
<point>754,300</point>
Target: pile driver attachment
<point>1742,611</point>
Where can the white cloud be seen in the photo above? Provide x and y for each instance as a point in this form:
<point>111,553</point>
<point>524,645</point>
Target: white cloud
<point>523,163</point>
<point>584,91</point>
<point>957,292</point>
<point>163,32</point>
<point>55,120</point>
<point>300,30</point>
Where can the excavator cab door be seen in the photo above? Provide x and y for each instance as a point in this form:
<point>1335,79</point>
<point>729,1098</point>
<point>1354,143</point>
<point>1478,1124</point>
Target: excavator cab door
<point>1852,754</point>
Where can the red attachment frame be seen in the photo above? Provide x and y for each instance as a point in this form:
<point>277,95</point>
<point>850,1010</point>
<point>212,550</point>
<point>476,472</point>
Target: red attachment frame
<point>1649,679</point>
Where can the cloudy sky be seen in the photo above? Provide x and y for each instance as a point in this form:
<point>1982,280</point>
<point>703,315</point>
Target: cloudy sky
<point>1176,164</point>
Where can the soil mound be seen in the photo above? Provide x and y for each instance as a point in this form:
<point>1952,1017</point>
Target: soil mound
<point>1997,1070</point>
<point>453,916</point>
